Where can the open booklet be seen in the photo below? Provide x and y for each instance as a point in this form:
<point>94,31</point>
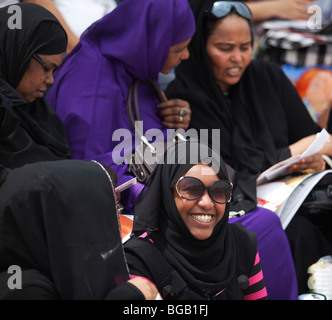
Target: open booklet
<point>280,169</point>
<point>285,196</point>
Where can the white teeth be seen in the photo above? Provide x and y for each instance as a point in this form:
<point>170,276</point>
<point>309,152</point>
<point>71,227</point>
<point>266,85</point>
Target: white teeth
<point>234,70</point>
<point>202,218</point>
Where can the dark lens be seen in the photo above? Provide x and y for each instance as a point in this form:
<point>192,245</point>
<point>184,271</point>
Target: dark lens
<point>221,191</point>
<point>190,188</point>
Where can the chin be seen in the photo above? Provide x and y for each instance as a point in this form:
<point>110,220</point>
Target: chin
<point>30,99</point>
<point>166,71</point>
<point>201,235</point>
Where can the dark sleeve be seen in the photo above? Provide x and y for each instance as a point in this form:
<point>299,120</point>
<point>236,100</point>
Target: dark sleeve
<point>31,133</point>
<point>283,153</point>
<point>137,266</point>
<point>125,291</point>
<point>35,286</point>
<point>256,289</point>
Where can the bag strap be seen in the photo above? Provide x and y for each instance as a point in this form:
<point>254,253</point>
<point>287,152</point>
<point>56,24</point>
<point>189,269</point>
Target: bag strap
<point>133,92</point>
<point>168,281</point>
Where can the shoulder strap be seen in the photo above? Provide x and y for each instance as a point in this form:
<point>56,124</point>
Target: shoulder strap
<point>133,93</point>
<point>168,281</point>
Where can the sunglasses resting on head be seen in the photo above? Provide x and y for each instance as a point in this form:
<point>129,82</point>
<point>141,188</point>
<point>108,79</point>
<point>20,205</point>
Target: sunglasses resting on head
<point>221,9</point>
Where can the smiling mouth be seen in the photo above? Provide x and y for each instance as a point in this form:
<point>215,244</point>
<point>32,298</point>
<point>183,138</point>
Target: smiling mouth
<point>202,217</point>
<point>234,71</point>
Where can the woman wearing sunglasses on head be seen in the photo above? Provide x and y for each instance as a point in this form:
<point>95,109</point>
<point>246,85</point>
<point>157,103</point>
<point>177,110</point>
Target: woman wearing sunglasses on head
<point>261,118</point>
<point>30,130</point>
<point>183,242</point>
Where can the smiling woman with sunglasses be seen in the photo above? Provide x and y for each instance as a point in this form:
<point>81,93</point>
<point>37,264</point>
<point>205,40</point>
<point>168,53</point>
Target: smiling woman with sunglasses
<point>30,130</point>
<point>182,240</point>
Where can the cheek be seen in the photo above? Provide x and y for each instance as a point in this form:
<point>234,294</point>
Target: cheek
<point>180,205</point>
<point>172,62</point>
<point>218,62</point>
<point>247,57</point>
<point>220,211</point>
<point>183,207</point>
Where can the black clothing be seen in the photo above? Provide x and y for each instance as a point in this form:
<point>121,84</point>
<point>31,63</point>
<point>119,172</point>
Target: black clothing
<point>36,286</point>
<point>258,119</point>
<point>58,220</point>
<point>41,33</point>
<point>145,259</point>
<point>29,132</point>
<point>207,266</point>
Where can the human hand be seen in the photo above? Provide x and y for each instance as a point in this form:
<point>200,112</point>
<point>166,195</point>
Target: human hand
<point>293,9</point>
<point>174,113</point>
<point>311,164</point>
<point>148,289</point>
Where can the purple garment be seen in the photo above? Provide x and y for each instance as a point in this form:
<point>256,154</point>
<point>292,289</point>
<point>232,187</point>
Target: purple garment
<point>274,251</point>
<point>90,88</point>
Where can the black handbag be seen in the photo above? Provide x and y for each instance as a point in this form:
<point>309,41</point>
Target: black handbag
<point>319,200</point>
<point>317,207</point>
<point>146,155</point>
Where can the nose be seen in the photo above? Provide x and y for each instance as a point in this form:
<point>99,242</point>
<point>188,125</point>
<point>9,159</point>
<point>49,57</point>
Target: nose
<point>49,78</point>
<point>205,201</point>
<point>185,54</point>
<point>236,55</point>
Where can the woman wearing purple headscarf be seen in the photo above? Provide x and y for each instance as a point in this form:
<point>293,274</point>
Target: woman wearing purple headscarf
<point>137,40</point>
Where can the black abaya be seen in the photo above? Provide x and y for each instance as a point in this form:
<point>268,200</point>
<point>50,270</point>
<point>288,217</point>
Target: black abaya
<point>29,132</point>
<point>58,221</point>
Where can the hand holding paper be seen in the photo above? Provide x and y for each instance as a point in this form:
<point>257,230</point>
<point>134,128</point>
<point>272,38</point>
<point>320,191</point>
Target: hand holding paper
<point>280,168</point>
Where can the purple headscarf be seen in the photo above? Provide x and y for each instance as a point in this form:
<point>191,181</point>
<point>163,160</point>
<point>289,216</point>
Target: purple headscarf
<point>139,34</point>
<point>90,89</point>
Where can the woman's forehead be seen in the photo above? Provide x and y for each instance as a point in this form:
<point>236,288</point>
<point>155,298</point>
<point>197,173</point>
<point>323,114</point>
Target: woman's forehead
<point>200,170</point>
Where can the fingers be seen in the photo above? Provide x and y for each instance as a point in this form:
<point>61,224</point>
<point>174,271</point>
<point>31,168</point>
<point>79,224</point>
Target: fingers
<point>311,164</point>
<point>148,289</point>
<point>175,113</point>
<point>295,9</point>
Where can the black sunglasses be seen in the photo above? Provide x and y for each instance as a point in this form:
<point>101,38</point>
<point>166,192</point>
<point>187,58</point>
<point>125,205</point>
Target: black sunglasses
<point>221,9</point>
<point>191,188</point>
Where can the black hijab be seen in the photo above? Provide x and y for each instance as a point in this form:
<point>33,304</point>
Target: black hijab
<point>59,218</point>
<point>208,265</point>
<point>256,125</point>
<point>29,132</point>
<point>40,33</point>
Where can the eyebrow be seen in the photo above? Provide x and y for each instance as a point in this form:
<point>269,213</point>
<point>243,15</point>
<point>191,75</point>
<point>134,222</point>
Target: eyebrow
<point>232,44</point>
<point>52,64</point>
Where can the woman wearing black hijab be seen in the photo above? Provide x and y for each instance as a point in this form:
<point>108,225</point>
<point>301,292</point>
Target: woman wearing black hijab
<point>262,119</point>
<point>183,242</point>
<point>30,130</point>
<point>258,111</point>
<point>59,225</point>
